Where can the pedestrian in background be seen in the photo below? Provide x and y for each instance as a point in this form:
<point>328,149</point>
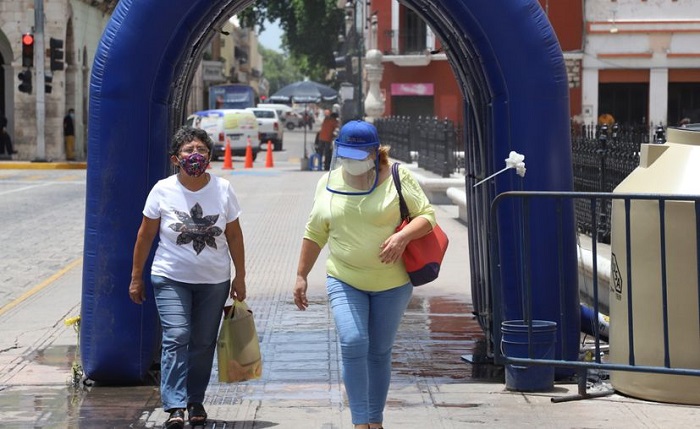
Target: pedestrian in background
<point>356,211</point>
<point>6,147</point>
<point>325,137</point>
<point>196,217</point>
<point>69,134</point>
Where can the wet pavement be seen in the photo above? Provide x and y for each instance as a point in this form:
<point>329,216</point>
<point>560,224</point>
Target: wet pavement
<point>301,369</point>
<point>432,384</point>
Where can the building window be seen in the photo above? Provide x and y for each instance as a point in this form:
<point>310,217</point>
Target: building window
<point>414,33</point>
<point>683,102</point>
<point>626,102</point>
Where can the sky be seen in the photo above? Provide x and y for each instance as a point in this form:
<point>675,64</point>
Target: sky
<point>271,38</point>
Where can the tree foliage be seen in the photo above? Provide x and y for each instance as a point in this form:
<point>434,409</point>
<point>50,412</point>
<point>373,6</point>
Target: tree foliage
<point>278,69</point>
<point>311,31</point>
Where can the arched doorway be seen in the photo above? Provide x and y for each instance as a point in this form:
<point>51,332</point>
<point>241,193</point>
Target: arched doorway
<point>513,79</point>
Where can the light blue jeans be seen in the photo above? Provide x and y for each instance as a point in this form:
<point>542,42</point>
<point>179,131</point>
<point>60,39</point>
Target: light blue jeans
<point>366,323</point>
<point>190,316</point>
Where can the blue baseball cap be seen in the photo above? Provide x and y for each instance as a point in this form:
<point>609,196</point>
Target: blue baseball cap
<point>356,140</point>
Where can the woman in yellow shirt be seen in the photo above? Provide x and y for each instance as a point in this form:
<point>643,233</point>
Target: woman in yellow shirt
<point>356,212</point>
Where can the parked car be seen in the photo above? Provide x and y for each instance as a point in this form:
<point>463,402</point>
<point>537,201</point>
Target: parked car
<point>292,120</point>
<point>237,125</point>
<point>269,127</point>
<point>298,120</point>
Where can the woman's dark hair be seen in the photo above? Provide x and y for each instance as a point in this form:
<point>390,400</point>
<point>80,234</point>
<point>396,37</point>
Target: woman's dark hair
<point>187,134</point>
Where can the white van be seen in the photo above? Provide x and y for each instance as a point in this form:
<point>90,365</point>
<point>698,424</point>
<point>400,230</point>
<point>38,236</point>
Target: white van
<point>238,125</point>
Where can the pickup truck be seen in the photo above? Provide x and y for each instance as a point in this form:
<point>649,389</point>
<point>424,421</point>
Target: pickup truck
<point>269,127</point>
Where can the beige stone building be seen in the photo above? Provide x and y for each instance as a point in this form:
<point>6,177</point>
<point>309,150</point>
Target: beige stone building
<point>79,24</point>
<point>232,57</point>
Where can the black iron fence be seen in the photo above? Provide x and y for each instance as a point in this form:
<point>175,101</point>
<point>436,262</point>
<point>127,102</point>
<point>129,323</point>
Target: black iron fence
<point>602,157</point>
<point>432,142</point>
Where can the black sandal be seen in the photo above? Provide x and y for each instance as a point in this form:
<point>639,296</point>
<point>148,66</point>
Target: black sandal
<point>196,414</point>
<point>176,419</point>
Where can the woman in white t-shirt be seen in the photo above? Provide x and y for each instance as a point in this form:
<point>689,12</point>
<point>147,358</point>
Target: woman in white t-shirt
<point>196,218</point>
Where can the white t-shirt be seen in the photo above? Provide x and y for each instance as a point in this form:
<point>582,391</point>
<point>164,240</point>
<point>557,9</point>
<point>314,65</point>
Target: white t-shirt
<point>193,246</point>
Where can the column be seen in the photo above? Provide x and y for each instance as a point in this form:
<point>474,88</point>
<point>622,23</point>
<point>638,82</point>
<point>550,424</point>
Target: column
<point>374,103</point>
<point>589,85</point>
<point>658,96</point>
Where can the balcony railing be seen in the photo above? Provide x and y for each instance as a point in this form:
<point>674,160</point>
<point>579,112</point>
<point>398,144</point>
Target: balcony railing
<point>408,44</point>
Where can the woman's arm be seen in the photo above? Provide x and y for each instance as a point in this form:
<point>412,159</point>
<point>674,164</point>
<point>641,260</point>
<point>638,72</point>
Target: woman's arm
<point>422,216</point>
<point>234,238</point>
<point>144,240</point>
<point>309,254</point>
<point>394,246</point>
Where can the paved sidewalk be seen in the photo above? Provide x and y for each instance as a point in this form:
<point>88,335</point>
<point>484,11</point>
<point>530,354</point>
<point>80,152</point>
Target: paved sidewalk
<point>301,386</point>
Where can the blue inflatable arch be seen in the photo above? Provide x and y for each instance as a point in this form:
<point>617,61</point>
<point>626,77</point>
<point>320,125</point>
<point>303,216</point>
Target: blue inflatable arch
<point>511,71</point>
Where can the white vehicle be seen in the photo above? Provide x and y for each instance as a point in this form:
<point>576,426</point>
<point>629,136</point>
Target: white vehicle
<point>288,118</point>
<point>239,126</point>
<point>282,109</point>
<point>269,127</point>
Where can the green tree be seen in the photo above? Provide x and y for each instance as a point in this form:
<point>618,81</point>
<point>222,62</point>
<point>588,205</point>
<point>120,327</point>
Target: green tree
<point>278,69</point>
<point>311,28</point>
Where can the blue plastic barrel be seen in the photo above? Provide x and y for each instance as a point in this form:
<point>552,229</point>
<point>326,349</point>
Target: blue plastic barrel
<point>315,163</point>
<point>538,344</point>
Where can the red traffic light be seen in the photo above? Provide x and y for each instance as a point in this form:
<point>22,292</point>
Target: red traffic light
<point>27,50</point>
<point>27,39</point>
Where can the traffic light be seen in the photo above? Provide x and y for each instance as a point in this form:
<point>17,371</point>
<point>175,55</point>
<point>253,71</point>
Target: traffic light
<point>47,83</point>
<point>27,50</point>
<point>56,54</point>
<point>341,68</point>
<point>25,78</point>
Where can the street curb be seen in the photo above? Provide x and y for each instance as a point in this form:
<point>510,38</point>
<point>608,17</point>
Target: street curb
<point>28,165</point>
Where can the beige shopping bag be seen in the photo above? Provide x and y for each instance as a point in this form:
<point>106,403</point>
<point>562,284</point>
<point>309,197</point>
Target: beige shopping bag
<point>238,348</point>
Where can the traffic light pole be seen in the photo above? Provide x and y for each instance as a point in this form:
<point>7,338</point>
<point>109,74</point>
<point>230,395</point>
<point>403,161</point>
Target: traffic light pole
<point>39,68</point>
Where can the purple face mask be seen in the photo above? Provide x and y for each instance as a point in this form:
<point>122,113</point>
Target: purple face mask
<point>194,164</point>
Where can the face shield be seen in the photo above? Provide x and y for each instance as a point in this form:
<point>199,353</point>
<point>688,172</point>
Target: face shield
<point>353,169</point>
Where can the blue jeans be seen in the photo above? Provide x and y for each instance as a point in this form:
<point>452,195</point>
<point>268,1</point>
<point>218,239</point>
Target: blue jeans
<point>190,316</point>
<point>367,323</point>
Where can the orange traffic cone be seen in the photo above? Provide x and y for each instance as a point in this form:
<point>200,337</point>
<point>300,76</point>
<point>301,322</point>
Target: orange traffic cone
<point>228,163</point>
<point>269,163</point>
<point>248,155</point>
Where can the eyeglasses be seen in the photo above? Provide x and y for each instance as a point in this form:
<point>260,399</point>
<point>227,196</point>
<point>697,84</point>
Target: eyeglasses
<point>202,150</point>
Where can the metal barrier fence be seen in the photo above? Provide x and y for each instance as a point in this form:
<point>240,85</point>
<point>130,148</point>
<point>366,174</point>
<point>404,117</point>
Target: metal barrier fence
<point>433,142</point>
<point>602,157</point>
<point>659,216</point>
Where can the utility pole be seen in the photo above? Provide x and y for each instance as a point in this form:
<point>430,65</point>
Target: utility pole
<point>39,54</point>
<point>360,52</point>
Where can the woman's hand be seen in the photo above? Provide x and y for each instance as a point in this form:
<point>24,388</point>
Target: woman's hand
<point>238,288</point>
<point>137,291</point>
<point>393,247</point>
<point>300,293</point>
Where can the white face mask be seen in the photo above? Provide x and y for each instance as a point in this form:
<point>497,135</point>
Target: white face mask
<point>357,168</point>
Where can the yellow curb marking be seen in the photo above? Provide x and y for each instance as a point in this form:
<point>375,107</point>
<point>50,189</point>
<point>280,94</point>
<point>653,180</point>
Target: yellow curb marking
<point>43,165</point>
<point>40,286</point>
